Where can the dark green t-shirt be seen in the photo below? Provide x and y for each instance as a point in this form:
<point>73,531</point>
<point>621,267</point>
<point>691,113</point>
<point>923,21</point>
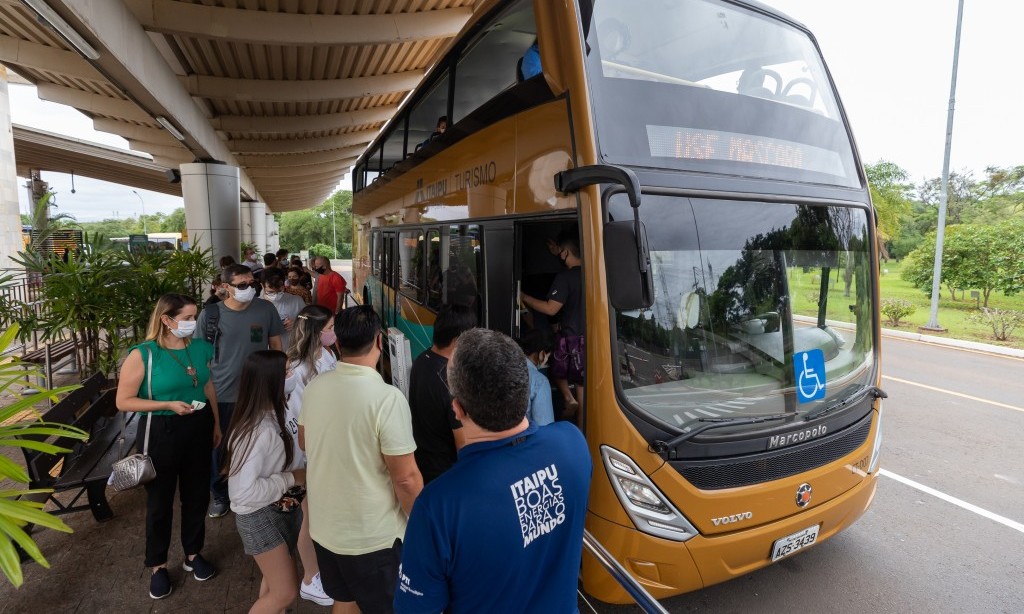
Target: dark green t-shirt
<point>170,380</point>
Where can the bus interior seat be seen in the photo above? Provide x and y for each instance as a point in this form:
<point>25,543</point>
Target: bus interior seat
<point>799,100</point>
<point>688,313</point>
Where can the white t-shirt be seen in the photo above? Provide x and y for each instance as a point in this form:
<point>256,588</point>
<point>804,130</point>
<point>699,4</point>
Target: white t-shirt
<point>287,306</point>
<point>257,480</point>
<point>326,362</point>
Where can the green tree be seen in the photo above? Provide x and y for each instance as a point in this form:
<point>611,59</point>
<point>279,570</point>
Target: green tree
<point>108,227</point>
<point>984,258</point>
<point>890,194</point>
<point>964,193</point>
<point>175,222</point>
<point>1002,196</point>
<point>303,229</point>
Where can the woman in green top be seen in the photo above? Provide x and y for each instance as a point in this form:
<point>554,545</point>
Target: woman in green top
<point>167,379</point>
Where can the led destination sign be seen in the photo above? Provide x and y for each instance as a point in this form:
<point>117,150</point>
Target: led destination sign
<point>702,144</point>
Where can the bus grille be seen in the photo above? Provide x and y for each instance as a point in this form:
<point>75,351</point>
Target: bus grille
<point>768,466</point>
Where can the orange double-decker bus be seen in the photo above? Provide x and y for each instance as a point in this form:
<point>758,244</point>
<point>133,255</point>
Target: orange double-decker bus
<point>700,153</point>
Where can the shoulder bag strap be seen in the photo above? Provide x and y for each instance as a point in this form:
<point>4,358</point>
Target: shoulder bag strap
<point>149,385</point>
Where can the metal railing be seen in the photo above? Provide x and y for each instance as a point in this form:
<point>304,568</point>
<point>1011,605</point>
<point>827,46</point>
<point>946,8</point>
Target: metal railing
<point>635,590</point>
<point>21,289</point>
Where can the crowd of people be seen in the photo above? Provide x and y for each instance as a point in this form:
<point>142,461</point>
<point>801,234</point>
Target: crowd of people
<point>268,404</point>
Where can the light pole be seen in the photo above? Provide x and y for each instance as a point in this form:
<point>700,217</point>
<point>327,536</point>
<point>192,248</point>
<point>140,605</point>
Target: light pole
<point>940,232</point>
<point>143,203</point>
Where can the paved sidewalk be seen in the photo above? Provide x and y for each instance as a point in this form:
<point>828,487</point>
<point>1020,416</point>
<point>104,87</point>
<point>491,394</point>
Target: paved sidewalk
<point>954,343</point>
<point>99,568</point>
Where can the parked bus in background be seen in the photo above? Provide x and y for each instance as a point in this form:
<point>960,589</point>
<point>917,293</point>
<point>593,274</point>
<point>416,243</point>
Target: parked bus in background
<point>699,152</point>
<point>159,241</point>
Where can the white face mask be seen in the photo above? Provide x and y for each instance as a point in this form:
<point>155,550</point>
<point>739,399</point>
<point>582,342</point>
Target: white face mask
<point>271,296</point>
<point>245,296</point>
<point>185,329</point>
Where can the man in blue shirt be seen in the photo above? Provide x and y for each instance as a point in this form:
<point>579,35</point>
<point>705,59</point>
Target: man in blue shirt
<point>502,530</point>
<point>538,344</point>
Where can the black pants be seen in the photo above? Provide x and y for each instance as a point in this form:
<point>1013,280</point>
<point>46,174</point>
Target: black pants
<point>219,483</point>
<point>180,449</point>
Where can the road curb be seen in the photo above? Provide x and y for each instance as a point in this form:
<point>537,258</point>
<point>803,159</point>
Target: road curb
<point>954,343</point>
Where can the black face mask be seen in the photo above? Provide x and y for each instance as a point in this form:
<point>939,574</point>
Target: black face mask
<point>321,270</point>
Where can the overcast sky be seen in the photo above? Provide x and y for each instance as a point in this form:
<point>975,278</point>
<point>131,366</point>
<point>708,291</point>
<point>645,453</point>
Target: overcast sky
<point>891,60</point>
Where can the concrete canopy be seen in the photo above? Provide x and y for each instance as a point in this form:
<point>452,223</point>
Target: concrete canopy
<point>282,89</point>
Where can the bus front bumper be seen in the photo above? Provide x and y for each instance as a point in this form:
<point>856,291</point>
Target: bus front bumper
<point>667,568</point>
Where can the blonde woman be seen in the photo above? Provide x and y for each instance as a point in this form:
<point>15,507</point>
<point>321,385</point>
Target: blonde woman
<point>166,379</point>
<point>308,356</point>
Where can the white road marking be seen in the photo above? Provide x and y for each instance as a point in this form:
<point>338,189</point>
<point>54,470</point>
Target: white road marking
<point>1016,526</point>
<point>955,394</point>
<point>678,419</point>
<point>706,413</point>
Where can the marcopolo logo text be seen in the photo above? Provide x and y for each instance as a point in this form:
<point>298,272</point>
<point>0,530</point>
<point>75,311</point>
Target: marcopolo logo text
<point>778,441</point>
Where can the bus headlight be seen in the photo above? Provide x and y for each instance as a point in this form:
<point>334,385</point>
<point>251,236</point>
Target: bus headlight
<point>647,507</point>
<point>876,452</point>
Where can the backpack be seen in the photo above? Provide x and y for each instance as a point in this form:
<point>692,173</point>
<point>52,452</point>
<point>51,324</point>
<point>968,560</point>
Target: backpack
<point>212,331</point>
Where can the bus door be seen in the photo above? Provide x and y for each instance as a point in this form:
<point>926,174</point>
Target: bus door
<point>536,264</point>
<point>499,243</point>
<point>388,294</point>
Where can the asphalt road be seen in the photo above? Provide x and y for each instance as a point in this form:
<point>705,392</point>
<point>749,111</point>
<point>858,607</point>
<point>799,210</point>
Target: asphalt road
<point>953,422</point>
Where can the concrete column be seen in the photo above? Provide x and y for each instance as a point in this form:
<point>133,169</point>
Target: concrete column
<point>271,233</point>
<point>10,214</point>
<point>212,208</point>
<point>246,215</point>
<point>259,225</point>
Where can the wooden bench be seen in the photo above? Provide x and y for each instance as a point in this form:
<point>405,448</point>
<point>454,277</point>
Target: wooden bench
<point>88,464</point>
<point>50,356</point>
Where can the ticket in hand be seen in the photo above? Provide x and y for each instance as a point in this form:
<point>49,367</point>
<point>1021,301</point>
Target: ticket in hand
<point>197,405</point>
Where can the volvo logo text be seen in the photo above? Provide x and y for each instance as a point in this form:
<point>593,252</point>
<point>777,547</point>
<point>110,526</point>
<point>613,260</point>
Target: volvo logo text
<point>803,494</point>
<point>778,441</point>
<point>732,519</point>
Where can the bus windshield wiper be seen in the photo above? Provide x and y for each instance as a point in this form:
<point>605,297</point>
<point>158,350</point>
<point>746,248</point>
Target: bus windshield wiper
<point>874,391</point>
<point>668,448</point>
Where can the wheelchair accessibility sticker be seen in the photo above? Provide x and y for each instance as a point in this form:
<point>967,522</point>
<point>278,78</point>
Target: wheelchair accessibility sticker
<point>809,368</point>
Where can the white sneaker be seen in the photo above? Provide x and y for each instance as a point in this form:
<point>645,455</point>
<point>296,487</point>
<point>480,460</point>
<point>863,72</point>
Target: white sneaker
<point>314,591</point>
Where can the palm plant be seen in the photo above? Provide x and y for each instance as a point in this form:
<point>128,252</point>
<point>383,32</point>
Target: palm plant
<point>18,420</point>
<point>44,223</point>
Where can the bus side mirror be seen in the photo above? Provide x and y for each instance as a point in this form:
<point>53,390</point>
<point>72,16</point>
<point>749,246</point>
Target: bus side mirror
<point>630,282</point>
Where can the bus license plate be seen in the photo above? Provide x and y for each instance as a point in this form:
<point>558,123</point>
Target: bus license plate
<point>793,543</point>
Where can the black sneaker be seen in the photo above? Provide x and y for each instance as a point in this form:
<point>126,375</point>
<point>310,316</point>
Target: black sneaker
<point>201,568</point>
<point>160,584</point>
<point>218,508</point>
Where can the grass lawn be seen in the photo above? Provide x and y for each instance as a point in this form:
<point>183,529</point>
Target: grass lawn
<point>953,315</point>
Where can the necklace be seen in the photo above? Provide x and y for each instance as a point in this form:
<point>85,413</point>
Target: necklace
<point>189,370</point>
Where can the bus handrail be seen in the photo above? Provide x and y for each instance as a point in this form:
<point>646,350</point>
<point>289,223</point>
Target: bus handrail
<point>639,594</point>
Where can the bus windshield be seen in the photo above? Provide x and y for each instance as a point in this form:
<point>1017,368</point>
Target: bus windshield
<point>740,289</point>
<point>725,90</point>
